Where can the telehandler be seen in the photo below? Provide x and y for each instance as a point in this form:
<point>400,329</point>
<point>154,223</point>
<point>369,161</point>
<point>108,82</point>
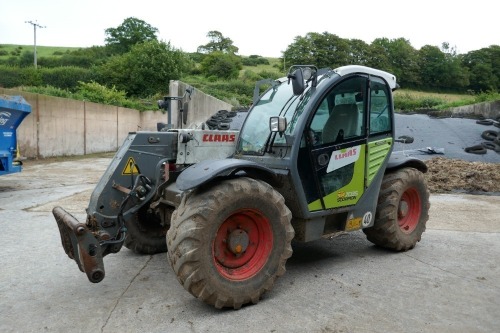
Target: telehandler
<point>312,159</point>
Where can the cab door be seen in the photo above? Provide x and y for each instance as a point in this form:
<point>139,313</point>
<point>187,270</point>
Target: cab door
<point>332,157</point>
<point>380,127</point>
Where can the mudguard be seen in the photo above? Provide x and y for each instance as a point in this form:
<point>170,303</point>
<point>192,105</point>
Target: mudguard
<point>400,161</point>
<point>201,173</point>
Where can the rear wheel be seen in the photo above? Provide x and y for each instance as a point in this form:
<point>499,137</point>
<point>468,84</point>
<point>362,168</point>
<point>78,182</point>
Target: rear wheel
<point>145,233</point>
<point>402,210</point>
<point>229,243</point>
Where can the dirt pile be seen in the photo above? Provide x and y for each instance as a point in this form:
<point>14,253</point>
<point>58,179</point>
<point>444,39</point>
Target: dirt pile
<point>448,175</point>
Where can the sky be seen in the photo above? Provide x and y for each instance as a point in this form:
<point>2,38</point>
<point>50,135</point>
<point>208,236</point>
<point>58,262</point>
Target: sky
<point>260,27</point>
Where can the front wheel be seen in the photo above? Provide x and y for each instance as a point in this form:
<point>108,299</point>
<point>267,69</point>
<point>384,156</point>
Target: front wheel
<point>146,233</point>
<point>228,243</point>
<point>402,210</point>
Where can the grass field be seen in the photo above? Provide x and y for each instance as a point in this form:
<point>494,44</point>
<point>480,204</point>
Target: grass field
<point>446,97</point>
<point>10,50</point>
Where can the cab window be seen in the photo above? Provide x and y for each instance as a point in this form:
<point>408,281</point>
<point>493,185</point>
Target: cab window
<point>380,105</point>
<point>339,117</point>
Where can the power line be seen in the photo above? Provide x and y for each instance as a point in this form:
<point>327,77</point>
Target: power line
<point>35,25</point>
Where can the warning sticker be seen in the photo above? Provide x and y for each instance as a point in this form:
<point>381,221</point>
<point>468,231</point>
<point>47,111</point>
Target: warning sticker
<point>130,168</point>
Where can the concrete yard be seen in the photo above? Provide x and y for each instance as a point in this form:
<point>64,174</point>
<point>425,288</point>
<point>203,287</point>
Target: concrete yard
<point>449,283</point>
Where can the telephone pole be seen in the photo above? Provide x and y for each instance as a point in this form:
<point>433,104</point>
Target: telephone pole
<point>35,25</point>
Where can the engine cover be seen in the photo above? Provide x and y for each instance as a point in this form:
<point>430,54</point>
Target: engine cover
<point>196,145</point>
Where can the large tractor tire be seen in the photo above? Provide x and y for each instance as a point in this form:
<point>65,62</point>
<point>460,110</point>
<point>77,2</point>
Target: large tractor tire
<point>228,243</point>
<point>402,210</point>
<point>145,233</point>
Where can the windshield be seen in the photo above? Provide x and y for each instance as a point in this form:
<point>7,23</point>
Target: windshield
<point>278,100</point>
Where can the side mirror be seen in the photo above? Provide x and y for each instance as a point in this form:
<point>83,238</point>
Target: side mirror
<point>277,124</point>
<point>297,78</point>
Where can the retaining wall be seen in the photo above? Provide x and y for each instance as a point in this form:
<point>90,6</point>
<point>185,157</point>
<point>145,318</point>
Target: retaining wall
<point>486,109</point>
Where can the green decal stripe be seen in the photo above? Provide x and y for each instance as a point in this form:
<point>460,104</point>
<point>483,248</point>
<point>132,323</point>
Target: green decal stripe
<point>377,151</point>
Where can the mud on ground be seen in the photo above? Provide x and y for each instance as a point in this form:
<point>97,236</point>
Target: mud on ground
<point>448,175</point>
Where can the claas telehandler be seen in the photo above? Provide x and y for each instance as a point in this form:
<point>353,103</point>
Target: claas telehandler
<point>313,158</point>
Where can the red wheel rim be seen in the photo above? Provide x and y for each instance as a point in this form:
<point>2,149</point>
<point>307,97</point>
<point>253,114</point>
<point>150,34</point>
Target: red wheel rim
<point>242,244</point>
<point>409,210</point>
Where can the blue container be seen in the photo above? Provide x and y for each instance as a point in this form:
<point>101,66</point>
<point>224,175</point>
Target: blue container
<point>13,109</point>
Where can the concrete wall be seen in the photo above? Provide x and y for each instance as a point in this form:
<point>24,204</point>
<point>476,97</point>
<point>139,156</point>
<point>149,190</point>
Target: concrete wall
<point>100,128</point>
<point>64,127</point>
<point>60,123</point>
<point>486,109</point>
<point>27,137</point>
<point>200,106</point>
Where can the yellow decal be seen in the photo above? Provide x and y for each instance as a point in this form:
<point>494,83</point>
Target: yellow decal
<point>130,168</point>
<point>349,195</point>
<point>353,224</point>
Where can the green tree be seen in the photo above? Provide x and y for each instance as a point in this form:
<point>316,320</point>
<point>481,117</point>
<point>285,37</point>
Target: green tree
<point>484,68</point>
<point>254,60</point>
<point>378,58</point>
<point>359,52</point>
<point>432,66</point>
<point>402,59</point>
<point>218,43</point>
<point>97,93</point>
<point>322,50</point>
<point>131,32</point>
<point>145,70</point>
<point>298,52</point>
<point>26,59</point>
<point>456,75</point>
<point>221,65</point>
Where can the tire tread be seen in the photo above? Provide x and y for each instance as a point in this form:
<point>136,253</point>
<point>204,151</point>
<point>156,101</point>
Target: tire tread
<point>385,232</point>
<point>187,223</point>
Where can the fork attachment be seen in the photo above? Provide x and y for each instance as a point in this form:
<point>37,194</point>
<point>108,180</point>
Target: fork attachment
<point>80,245</point>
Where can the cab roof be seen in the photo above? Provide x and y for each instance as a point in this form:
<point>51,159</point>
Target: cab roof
<point>345,70</point>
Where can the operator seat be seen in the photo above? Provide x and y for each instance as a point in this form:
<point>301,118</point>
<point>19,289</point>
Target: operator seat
<point>342,123</point>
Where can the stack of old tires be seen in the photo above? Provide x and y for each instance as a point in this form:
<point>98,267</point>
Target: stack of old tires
<point>227,120</point>
<point>221,120</point>
<point>491,137</point>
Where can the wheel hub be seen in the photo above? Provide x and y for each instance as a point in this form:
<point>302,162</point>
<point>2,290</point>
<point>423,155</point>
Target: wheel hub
<point>242,244</point>
<point>402,209</point>
<point>409,210</point>
<point>238,241</point>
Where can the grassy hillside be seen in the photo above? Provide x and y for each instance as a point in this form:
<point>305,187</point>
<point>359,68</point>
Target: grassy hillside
<point>406,100</point>
<point>10,50</point>
<point>239,92</point>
